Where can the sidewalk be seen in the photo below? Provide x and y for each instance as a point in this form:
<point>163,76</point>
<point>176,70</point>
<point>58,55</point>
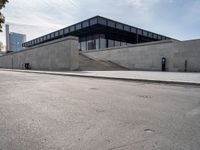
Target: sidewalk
<point>147,76</point>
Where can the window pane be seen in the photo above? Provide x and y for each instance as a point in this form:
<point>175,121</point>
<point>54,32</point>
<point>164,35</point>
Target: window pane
<point>155,36</point>
<point>83,46</point>
<point>139,31</point>
<point>56,34</point>
<point>78,26</point>
<point>123,43</point>
<point>61,32</point>
<point>145,33</point>
<point>72,28</point>
<point>111,43</point>
<point>119,26</point>
<point>48,37</point>
<point>117,43</point>
<point>45,38</point>
<point>102,43</point>
<point>91,44</point>
<point>127,28</point>
<point>150,35</point>
<point>66,30</point>
<point>111,23</point>
<point>97,43</point>
<point>102,21</point>
<point>85,24</point>
<point>52,35</point>
<point>93,21</point>
<point>133,30</point>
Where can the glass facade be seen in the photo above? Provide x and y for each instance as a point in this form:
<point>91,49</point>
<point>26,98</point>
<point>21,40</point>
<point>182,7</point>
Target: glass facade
<point>99,41</point>
<point>16,41</point>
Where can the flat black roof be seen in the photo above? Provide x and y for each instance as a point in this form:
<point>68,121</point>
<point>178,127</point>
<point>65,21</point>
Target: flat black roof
<point>94,25</point>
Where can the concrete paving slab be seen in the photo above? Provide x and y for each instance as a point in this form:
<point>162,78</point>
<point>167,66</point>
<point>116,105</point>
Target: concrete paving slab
<point>54,112</point>
<point>147,76</point>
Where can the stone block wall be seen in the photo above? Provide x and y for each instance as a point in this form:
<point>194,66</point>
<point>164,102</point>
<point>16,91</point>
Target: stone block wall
<point>58,55</point>
<point>180,55</point>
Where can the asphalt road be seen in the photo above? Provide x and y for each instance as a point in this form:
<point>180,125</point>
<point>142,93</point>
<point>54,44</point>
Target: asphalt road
<point>45,112</point>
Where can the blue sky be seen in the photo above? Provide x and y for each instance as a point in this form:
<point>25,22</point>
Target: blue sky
<point>179,19</point>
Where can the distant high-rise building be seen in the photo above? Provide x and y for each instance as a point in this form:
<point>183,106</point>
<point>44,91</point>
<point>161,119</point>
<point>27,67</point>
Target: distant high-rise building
<point>16,40</point>
<point>7,38</point>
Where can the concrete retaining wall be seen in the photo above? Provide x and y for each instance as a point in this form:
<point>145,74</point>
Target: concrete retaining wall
<point>58,55</point>
<point>148,56</point>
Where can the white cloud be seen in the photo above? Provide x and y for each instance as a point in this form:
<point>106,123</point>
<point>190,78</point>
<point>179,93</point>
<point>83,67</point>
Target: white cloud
<point>40,12</point>
<point>37,17</point>
<point>193,12</point>
<point>142,4</point>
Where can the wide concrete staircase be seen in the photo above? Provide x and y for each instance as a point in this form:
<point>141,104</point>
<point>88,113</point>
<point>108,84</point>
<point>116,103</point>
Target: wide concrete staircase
<point>88,64</point>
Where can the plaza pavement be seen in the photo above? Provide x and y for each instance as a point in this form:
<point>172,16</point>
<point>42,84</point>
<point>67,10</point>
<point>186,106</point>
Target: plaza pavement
<point>192,78</point>
<point>54,112</point>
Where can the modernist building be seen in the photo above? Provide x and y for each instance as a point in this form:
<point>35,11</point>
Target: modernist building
<point>99,32</point>
<point>16,41</point>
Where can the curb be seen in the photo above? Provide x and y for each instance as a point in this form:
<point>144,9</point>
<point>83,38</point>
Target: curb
<point>108,78</point>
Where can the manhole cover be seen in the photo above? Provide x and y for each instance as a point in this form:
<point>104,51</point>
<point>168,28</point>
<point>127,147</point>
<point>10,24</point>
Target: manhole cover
<point>93,88</point>
<point>149,130</point>
<point>145,96</point>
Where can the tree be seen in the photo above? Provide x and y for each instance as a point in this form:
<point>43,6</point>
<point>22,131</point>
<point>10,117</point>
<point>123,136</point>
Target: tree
<point>1,46</point>
<point>2,18</point>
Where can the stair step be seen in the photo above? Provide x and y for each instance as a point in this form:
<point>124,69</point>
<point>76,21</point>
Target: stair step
<point>88,64</point>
